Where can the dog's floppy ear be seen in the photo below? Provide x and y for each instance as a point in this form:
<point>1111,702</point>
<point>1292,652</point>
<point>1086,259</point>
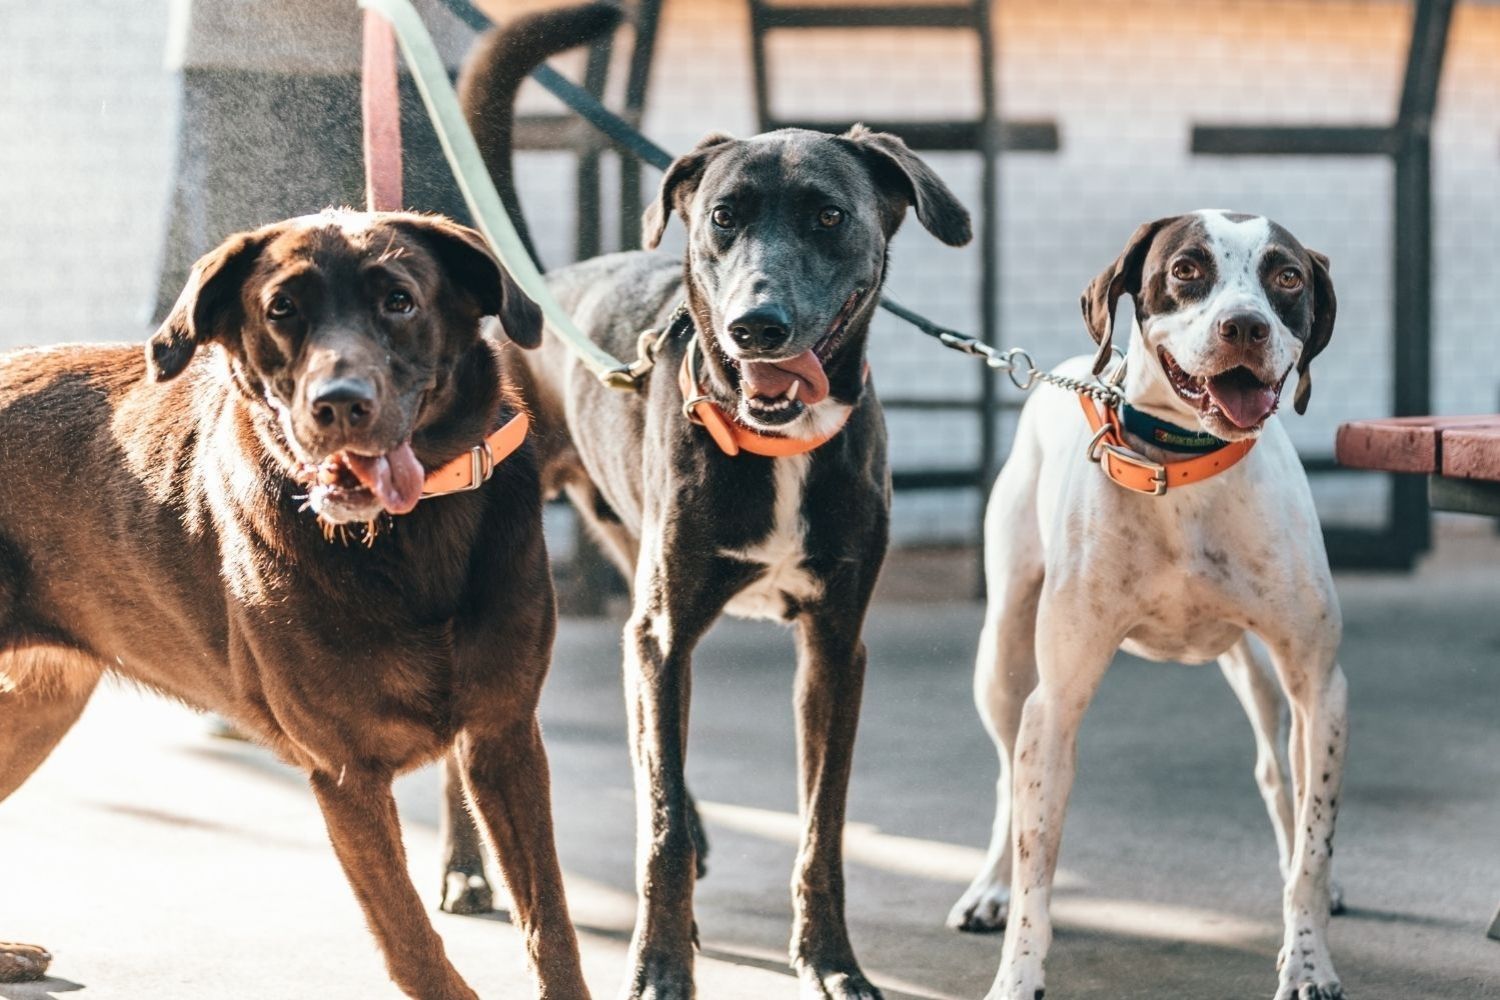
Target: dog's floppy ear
<point>1120,278</point>
<point>470,266</point>
<point>901,172</point>
<point>208,307</point>
<point>1325,307</point>
<point>678,185</point>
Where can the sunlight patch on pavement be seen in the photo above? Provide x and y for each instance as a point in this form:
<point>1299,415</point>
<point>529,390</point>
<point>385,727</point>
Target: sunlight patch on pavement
<point>1164,922</point>
<point>865,845</point>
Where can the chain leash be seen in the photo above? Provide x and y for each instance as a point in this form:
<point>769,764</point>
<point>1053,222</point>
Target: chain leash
<point>1015,362</point>
<point>1023,373</point>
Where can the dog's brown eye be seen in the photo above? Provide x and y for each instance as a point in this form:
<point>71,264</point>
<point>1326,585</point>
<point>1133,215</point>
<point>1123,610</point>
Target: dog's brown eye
<point>399,302</point>
<point>830,217</point>
<point>1289,280</point>
<point>281,307</point>
<point>1186,270</point>
<point>723,217</point>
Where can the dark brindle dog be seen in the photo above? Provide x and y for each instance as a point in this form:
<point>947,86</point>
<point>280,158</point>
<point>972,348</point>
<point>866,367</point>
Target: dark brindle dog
<point>787,252</point>
<point>158,531</point>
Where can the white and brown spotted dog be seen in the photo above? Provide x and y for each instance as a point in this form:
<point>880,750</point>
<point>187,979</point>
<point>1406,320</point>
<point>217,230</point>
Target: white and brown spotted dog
<point>1229,568</point>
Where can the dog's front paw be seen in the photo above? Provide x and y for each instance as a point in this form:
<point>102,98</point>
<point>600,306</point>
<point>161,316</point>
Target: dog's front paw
<point>22,963</point>
<point>1307,974</point>
<point>836,984</point>
<point>1311,991</point>
<point>1021,981</point>
<point>464,893</point>
<point>660,980</point>
<point>982,909</point>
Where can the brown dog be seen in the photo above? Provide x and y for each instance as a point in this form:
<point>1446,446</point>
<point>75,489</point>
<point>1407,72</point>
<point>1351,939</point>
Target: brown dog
<point>160,531</point>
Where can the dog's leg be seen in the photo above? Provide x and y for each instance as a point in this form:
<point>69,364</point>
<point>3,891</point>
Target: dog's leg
<point>36,715</point>
<point>1252,677</point>
<point>1318,693</point>
<point>33,718</point>
<point>1073,653</point>
<point>666,623</point>
<point>510,784</point>
<point>465,887</point>
<point>624,552</point>
<point>1004,674</point>
<point>366,833</point>
<point>830,682</point>
<point>657,686</point>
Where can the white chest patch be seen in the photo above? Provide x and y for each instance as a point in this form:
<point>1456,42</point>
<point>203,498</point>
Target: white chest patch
<point>785,577</point>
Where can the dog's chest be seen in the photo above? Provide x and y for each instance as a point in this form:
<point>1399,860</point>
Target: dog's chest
<point>784,584</point>
<point>1201,572</point>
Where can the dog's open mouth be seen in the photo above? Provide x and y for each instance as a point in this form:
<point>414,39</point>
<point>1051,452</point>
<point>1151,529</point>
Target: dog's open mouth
<point>777,392</point>
<point>349,481</point>
<point>1236,395</point>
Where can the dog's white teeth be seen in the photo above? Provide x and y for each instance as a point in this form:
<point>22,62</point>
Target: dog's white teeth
<point>791,394</point>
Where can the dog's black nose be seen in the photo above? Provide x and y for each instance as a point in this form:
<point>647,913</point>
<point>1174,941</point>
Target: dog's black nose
<point>763,328</point>
<point>1244,327</point>
<point>346,402</point>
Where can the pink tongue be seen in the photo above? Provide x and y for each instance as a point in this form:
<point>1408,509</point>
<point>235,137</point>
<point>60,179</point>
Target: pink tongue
<point>395,478</point>
<point>1245,400</point>
<point>772,379</point>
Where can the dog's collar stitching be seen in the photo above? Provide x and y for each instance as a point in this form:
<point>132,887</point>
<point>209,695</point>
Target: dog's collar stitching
<point>1133,471</point>
<point>1165,435</point>
<point>729,434</point>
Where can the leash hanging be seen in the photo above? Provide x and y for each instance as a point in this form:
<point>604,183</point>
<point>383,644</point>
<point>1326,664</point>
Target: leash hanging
<point>380,107</point>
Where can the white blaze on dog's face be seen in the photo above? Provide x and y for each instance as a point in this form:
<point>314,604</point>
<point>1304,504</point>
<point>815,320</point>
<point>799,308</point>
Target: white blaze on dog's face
<point>1227,306</point>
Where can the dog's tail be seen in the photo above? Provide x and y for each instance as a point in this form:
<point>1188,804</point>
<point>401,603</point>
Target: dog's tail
<point>501,60</point>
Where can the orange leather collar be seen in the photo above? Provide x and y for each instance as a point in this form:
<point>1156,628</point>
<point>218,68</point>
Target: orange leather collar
<point>470,470</point>
<point>1136,472</point>
<point>730,435</point>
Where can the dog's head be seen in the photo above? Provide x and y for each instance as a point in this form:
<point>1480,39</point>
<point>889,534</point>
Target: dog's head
<point>1228,304</point>
<point>350,328</point>
<point>787,236</point>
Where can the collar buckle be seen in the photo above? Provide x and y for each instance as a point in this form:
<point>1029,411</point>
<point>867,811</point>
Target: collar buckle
<point>1115,453</point>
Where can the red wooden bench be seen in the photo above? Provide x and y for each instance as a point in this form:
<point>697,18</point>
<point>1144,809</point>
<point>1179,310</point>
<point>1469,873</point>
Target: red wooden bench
<point>1459,455</point>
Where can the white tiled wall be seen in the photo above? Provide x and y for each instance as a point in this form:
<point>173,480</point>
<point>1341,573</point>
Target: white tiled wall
<point>86,121</point>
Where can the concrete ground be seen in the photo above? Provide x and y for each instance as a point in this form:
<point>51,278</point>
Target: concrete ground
<point>158,862</point>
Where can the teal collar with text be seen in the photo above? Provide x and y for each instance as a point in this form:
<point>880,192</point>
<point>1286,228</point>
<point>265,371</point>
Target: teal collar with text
<point>1164,435</point>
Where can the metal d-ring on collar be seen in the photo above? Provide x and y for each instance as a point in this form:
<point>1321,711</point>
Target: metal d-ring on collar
<point>481,467</point>
<point>688,404</point>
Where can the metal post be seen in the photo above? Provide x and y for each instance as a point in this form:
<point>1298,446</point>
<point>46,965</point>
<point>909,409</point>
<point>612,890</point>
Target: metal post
<point>1412,258</point>
<point>648,15</point>
<point>989,260</point>
<point>589,241</point>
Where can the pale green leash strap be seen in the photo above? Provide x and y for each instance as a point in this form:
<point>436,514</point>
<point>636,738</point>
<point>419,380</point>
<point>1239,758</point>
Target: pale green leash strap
<point>474,182</point>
